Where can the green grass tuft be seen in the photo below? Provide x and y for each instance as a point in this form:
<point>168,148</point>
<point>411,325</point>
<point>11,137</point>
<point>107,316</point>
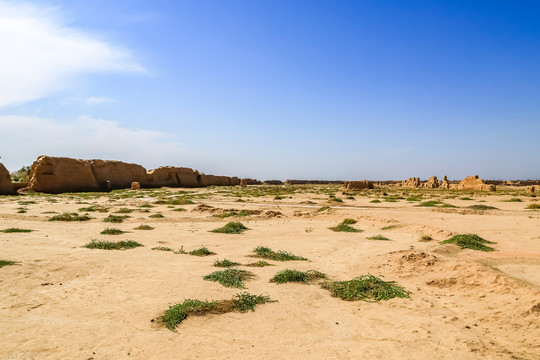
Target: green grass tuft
<point>378,237</point>
<point>349,221</point>
<point>112,231</point>
<point>260,263</point>
<point>201,252</point>
<point>230,277</point>
<point>15,230</point>
<point>111,245</point>
<point>144,227</point>
<point>94,208</point>
<point>430,203</point>
<point>470,241</point>
<point>115,218</point>
<point>366,288</point>
<point>512,200</point>
<point>157,216</point>
<point>70,217</point>
<point>287,275</point>
<point>390,227</point>
<point>124,211</point>
<point>8,263</point>
<point>231,228</point>
<point>344,226</point>
<point>174,202</point>
<point>225,263</point>
<point>242,302</point>
<point>178,209</point>
<point>482,207</point>
<point>533,206</point>
<point>425,238</point>
<point>324,208</point>
<point>267,253</point>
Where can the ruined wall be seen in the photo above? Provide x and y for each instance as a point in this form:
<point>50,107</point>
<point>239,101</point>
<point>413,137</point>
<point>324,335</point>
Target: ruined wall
<point>6,186</point>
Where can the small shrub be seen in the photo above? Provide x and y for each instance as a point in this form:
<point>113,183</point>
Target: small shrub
<point>178,209</point>
<point>260,263</point>
<point>378,237</point>
<point>390,227</point>
<point>15,230</point>
<point>70,217</point>
<point>267,253</point>
<point>230,277</point>
<point>533,206</point>
<point>242,303</point>
<point>470,241</point>
<point>201,252</point>
<point>344,226</point>
<point>349,221</point>
<point>157,216</point>
<point>482,207</point>
<point>366,288</point>
<point>376,201</point>
<point>94,208</point>
<point>144,227</point>
<point>237,213</point>
<point>287,275</point>
<point>415,198</point>
<point>338,200</point>
<point>425,238</point>
<point>466,198</point>
<point>8,263</point>
<point>162,248</point>
<point>146,206</point>
<point>512,200</point>
<point>124,211</point>
<point>428,203</point>
<point>115,218</point>
<point>231,228</point>
<point>225,263</point>
<point>112,231</point>
<point>111,245</point>
<point>174,202</point>
<point>22,211</point>
<point>324,208</point>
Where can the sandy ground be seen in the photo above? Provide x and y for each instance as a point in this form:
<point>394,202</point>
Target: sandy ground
<point>64,301</point>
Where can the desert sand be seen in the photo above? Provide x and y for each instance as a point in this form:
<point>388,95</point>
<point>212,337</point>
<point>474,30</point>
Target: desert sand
<point>64,301</point>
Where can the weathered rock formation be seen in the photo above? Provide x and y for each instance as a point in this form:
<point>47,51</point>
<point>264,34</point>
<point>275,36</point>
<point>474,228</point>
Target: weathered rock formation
<point>6,186</point>
<point>358,185</point>
<point>411,183</point>
<point>273,182</point>
<point>135,185</point>
<point>58,175</point>
<point>445,184</point>
<point>249,181</point>
<point>432,183</point>
<point>475,183</point>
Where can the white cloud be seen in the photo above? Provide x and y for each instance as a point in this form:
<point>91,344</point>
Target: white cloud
<point>23,139</point>
<point>96,100</point>
<point>40,55</point>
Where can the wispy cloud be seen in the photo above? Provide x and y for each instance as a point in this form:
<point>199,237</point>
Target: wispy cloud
<point>41,55</point>
<point>23,139</point>
<point>97,100</point>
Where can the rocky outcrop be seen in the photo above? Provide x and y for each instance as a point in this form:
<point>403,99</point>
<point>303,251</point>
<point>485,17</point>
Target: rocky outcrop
<point>6,186</point>
<point>475,183</point>
<point>358,185</point>
<point>58,175</point>
<point>432,183</point>
<point>173,177</point>
<point>413,182</point>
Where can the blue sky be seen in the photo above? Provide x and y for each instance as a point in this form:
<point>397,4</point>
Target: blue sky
<point>276,89</point>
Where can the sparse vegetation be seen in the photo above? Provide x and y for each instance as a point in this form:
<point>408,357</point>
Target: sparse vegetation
<point>242,302</point>
<point>470,241</point>
<point>390,227</point>
<point>287,275</point>
<point>345,227</point>
<point>482,207</point>
<point>430,203</point>
<point>260,263</point>
<point>156,216</point>
<point>324,208</point>
<point>201,252</point>
<point>181,201</point>
<point>94,208</point>
<point>425,238</point>
<point>115,218</point>
<point>15,230</point>
<point>8,263</point>
<point>366,288</point>
<point>267,253</point>
<point>378,237</point>
<point>144,227</point>
<point>231,228</point>
<point>112,231</point>
<point>162,248</point>
<point>512,200</point>
<point>225,263</point>
<point>70,217</point>
<point>178,209</point>
<point>112,245</point>
<point>533,206</point>
<point>124,211</point>
<point>230,277</point>
<point>375,201</point>
<point>237,213</point>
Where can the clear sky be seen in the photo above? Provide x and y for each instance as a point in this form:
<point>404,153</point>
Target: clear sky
<point>276,89</point>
